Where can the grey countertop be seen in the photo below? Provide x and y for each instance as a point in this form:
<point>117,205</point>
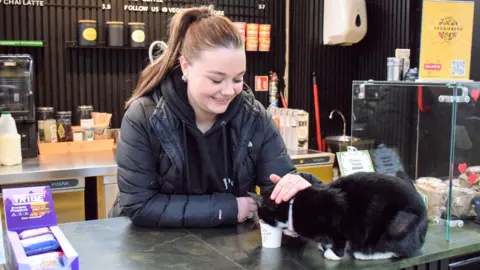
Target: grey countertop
<point>60,166</point>
<point>117,244</point>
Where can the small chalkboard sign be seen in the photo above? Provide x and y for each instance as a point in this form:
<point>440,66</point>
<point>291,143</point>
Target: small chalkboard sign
<point>386,160</point>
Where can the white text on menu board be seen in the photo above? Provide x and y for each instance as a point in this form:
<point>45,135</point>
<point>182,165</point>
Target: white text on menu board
<point>141,7</point>
<point>39,3</point>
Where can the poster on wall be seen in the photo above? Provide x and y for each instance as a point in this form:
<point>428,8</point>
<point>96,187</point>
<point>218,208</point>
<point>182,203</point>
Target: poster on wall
<point>261,83</point>
<point>446,40</point>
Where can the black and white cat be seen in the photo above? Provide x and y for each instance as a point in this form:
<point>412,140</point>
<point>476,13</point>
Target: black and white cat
<point>373,216</point>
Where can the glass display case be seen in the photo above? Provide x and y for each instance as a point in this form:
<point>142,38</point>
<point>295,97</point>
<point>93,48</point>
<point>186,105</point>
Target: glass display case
<point>431,132</point>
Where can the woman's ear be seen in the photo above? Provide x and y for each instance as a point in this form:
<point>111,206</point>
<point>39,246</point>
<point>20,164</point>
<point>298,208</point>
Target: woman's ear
<point>183,65</point>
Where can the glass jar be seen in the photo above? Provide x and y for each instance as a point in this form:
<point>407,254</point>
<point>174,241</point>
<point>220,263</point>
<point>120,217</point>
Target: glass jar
<point>64,126</point>
<point>136,32</point>
<point>84,112</point>
<point>47,126</point>
<point>85,120</point>
<point>87,33</point>
<point>115,34</point>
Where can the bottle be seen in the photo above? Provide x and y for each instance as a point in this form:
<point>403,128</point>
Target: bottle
<point>10,141</point>
<point>273,90</point>
<point>405,54</point>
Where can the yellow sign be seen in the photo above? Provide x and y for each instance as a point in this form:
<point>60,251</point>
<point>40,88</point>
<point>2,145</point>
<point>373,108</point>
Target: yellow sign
<point>446,42</point>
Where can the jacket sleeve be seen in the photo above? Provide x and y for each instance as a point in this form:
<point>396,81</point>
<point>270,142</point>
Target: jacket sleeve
<point>274,158</point>
<point>140,185</point>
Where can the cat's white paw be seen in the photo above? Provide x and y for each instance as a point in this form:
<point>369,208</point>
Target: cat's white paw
<point>374,256</point>
<point>320,246</point>
<point>329,254</point>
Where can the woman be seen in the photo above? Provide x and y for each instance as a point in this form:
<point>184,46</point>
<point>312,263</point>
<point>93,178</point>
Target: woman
<point>193,141</point>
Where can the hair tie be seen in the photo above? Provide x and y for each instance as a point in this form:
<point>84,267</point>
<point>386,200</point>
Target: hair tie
<point>204,15</point>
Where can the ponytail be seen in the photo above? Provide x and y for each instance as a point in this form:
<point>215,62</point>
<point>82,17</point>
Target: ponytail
<point>157,70</point>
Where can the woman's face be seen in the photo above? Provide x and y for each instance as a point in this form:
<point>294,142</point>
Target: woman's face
<point>214,79</point>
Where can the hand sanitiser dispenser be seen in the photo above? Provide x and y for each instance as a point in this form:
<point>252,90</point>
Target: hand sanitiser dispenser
<point>344,22</point>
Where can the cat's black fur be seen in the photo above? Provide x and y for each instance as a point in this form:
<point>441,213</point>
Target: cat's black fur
<point>371,212</point>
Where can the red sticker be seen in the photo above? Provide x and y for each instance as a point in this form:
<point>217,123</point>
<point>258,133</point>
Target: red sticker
<point>462,167</point>
<point>261,83</point>
<point>475,94</point>
<point>472,178</point>
<point>432,66</point>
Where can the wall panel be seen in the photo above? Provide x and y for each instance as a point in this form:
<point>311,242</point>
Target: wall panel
<point>389,27</point>
<point>68,77</point>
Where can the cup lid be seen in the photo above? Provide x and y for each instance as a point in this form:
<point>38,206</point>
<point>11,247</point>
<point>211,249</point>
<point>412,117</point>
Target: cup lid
<point>114,22</point>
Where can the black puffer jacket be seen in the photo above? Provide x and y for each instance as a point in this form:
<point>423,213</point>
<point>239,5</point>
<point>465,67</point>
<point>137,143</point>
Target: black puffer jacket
<point>152,163</point>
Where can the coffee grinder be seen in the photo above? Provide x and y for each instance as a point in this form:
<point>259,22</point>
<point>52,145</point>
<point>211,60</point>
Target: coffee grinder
<point>17,97</point>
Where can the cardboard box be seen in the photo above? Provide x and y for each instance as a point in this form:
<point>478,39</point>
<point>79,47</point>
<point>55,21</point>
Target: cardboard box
<point>31,208</point>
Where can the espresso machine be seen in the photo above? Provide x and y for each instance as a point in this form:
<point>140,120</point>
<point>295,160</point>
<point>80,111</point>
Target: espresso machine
<point>17,97</point>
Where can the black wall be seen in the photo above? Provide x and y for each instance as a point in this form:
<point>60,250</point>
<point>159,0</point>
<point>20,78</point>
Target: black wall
<point>391,24</point>
<point>67,77</point>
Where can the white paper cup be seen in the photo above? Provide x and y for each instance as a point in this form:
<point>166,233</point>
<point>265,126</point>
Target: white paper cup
<point>271,236</point>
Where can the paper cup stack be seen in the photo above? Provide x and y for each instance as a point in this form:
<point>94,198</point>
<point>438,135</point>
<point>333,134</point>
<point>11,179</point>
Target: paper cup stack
<point>256,37</point>
<point>241,26</point>
<point>252,37</point>
<point>264,37</point>
<point>271,236</point>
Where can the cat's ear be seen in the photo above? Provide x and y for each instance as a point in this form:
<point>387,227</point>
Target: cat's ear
<point>404,176</point>
<point>257,198</point>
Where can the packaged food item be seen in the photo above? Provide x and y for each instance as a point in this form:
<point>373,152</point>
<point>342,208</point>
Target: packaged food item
<point>473,169</point>
<point>34,232</point>
<point>64,126</point>
<point>101,125</point>
<point>51,260</point>
<point>39,244</point>
<point>436,192</point>
<point>462,202</point>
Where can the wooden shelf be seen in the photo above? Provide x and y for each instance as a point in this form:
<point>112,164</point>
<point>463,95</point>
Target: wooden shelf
<point>74,147</point>
<point>102,45</point>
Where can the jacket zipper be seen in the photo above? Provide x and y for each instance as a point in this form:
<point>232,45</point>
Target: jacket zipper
<point>178,183</point>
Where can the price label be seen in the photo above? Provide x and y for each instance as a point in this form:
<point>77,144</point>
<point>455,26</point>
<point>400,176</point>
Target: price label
<point>354,161</point>
<point>386,160</point>
<point>106,6</point>
<point>261,6</point>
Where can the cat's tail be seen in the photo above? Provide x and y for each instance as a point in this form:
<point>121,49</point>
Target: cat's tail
<point>404,176</point>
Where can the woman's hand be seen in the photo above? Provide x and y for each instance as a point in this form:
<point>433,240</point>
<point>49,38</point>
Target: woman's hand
<point>287,186</point>
<point>246,208</point>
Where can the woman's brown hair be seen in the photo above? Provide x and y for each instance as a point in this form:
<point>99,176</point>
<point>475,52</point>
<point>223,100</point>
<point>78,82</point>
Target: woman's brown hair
<point>191,31</point>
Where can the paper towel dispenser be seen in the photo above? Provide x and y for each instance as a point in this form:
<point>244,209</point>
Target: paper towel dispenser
<point>344,22</point>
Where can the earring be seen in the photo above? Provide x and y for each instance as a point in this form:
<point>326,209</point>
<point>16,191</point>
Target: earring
<point>184,78</point>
